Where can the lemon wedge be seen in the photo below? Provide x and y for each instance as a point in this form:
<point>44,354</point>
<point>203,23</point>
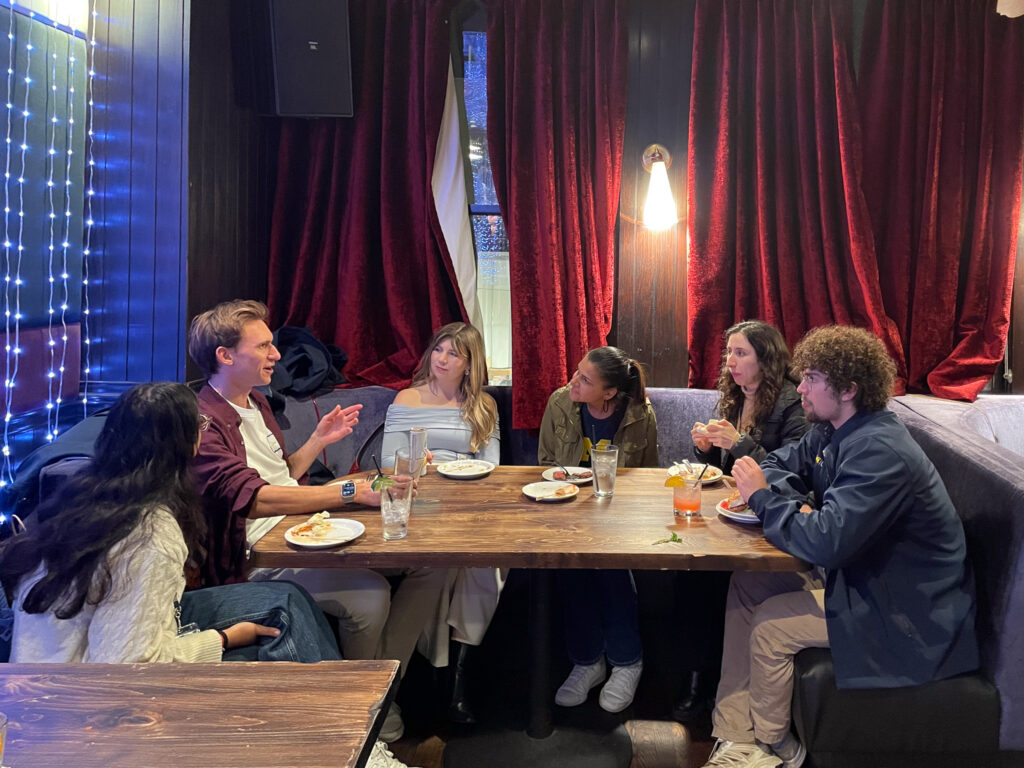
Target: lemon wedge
<point>675,481</point>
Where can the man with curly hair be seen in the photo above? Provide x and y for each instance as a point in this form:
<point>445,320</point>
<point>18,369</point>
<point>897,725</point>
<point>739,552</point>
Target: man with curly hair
<point>890,593</point>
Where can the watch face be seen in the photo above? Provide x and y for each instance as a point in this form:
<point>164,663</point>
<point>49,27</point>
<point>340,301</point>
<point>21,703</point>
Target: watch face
<point>348,490</point>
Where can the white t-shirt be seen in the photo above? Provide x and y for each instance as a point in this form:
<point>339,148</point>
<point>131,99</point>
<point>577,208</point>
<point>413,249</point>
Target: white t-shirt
<point>264,454</point>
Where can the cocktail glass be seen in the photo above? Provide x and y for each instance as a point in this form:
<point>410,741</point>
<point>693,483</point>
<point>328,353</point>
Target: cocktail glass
<point>686,499</point>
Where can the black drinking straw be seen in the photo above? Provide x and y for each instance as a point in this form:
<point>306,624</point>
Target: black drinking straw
<point>380,473</point>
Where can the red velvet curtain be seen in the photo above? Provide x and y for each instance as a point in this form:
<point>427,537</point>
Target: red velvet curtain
<point>943,115</point>
<point>556,101</point>
<point>357,252</point>
<point>778,224</point>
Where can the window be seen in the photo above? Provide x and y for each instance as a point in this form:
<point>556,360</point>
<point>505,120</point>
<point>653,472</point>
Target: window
<point>489,237</point>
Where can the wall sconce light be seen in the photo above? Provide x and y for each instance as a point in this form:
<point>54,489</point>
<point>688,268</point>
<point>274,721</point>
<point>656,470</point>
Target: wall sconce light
<point>660,208</point>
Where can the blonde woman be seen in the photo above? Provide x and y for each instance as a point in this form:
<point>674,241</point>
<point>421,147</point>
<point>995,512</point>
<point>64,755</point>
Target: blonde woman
<point>448,400</point>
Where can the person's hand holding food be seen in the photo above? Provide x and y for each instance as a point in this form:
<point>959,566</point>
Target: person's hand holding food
<point>748,476</point>
<point>722,434</point>
<point>699,435</point>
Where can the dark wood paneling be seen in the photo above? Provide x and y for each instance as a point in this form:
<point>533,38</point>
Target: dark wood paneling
<point>650,321</point>
<point>232,162</point>
<point>137,290</point>
<point>172,181</point>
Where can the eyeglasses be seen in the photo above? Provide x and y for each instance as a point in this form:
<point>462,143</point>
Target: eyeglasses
<point>810,379</point>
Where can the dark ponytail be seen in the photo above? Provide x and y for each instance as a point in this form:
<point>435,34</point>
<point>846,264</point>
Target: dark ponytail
<point>618,370</point>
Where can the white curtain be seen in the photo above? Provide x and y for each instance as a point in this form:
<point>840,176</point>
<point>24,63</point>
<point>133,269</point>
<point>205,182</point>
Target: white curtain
<point>449,188</point>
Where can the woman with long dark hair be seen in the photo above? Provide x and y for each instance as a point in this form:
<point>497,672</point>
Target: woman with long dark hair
<point>759,408</point>
<point>758,411</point>
<point>102,577</point>
<point>605,402</point>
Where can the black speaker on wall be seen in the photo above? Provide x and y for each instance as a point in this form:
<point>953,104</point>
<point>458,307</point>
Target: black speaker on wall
<point>292,57</point>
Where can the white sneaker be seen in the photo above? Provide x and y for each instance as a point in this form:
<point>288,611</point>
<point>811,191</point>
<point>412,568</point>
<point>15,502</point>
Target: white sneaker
<point>382,757</point>
<point>618,692</point>
<point>791,752</point>
<point>393,727</point>
<point>729,754</point>
<point>578,684</point>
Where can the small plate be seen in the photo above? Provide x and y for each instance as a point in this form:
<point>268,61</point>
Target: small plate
<point>549,474</point>
<point>344,530</point>
<point>713,475</point>
<point>546,491</point>
<point>465,469</point>
<point>749,518</point>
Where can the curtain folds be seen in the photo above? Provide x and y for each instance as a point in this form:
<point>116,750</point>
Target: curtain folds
<point>779,226</point>
<point>357,253</point>
<point>943,115</point>
<point>556,82</point>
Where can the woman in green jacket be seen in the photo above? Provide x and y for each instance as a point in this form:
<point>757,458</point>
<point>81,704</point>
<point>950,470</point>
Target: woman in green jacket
<point>604,403</point>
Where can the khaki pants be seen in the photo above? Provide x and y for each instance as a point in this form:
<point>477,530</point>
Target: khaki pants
<point>373,622</point>
<point>769,617</point>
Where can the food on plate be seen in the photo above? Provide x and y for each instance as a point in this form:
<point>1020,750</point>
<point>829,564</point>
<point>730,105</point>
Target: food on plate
<point>565,490</point>
<point>316,527</point>
<point>560,475</point>
<point>735,503</point>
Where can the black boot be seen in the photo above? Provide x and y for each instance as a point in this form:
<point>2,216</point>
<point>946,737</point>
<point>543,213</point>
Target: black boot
<point>459,710</point>
<point>695,700</point>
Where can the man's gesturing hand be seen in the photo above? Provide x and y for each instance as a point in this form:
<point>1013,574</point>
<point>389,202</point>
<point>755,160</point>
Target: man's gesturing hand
<point>337,424</point>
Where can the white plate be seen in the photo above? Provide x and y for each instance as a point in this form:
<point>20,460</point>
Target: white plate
<point>546,491</point>
<point>465,469</point>
<point>549,474</point>
<point>344,530</point>
<point>713,475</point>
<point>740,517</point>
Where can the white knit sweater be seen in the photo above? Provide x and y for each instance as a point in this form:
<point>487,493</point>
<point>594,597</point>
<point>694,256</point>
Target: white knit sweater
<point>136,621</point>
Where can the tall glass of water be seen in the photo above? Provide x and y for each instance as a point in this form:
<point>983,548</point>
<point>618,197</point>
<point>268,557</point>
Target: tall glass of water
<point>604,461</point>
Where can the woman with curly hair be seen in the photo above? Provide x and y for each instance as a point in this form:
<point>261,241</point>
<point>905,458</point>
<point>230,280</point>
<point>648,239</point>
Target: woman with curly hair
<point>758,411</point>
<point>759,408</point>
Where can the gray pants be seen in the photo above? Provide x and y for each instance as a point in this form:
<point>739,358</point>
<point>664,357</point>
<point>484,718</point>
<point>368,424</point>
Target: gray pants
<point>374,623</point>
<point>769,617</point>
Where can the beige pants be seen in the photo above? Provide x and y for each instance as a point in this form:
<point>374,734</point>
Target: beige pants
<point>373,623</point>
<point>769,617</point>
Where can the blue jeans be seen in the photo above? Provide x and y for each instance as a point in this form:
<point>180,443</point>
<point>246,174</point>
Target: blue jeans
<point>305,634</point>
<point>600,616</point>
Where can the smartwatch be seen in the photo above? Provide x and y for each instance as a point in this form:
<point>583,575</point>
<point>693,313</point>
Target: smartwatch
<point>348,491</point>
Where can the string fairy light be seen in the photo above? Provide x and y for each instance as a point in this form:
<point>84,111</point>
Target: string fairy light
<point>90,193</point>
<point>14,349</point>
<point>66,234</point>
<point>7,475</point>
<point>57,281</point>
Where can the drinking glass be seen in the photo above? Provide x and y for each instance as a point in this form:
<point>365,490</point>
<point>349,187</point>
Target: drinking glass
<point>396,502</point>
<point>604,461</point>
<point>418,448</point>
<point>686,499</point>
<point>394,511</point>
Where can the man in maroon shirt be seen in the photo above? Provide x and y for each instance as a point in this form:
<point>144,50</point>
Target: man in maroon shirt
<point>248,481</point>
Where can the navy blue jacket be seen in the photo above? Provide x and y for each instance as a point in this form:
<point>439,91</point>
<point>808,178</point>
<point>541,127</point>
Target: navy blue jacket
<point>899,596</point>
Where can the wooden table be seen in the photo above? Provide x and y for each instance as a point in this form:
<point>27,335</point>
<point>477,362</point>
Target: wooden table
<point>490,522</point>
<point>227,714</point>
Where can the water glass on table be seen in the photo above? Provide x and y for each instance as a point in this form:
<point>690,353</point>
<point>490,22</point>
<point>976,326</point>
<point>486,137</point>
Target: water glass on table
<point>604,461</point>
<point>396,501</point>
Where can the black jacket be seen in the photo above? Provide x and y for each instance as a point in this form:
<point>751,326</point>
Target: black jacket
<point>785,424</point>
